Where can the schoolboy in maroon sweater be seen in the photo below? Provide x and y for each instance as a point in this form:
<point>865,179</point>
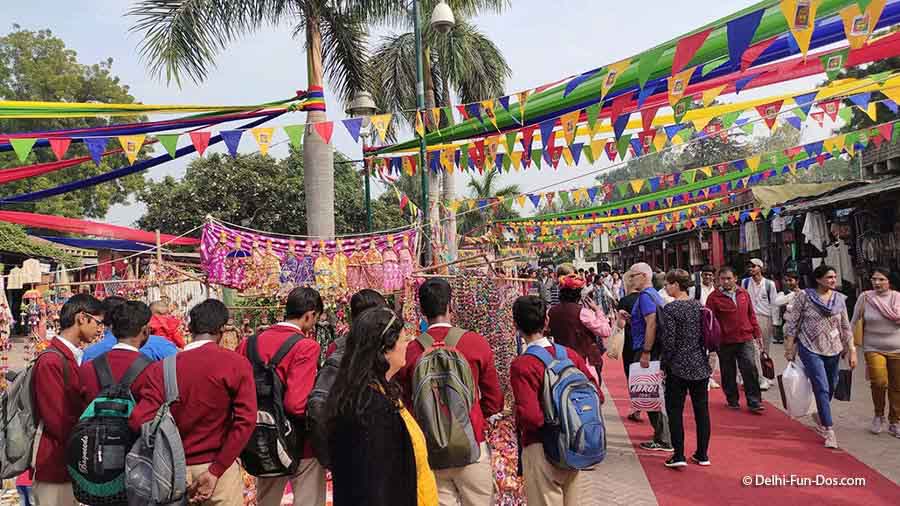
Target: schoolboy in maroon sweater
<point>545,484</point>
<point>130,325</point>
<point>57,398</point>
<point>297,372</point>
<point>470,485</point>
<point>216,408</point>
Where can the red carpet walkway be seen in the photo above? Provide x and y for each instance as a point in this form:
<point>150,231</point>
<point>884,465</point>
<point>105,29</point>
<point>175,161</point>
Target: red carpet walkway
<point>744,444</point>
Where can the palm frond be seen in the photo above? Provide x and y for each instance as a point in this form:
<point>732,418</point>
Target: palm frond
<point>345,51</point>
<point>473,63</point>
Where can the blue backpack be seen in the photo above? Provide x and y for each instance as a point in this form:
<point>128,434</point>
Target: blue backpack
<point>574,436</point>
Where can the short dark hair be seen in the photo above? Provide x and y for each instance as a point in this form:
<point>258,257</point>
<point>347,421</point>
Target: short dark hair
<point>530,314</point>
<point>208,317</point>
<point>107,306</point>
<point>365,299</point>
<point>726,269</point>
<point>792,275</point>
<point>434,297</point>
<point>302,300</point>
<point>129,319</point>
<point>681,277</point>
<point>80,303</point>
<point>822,271</point>
<point>708,268</point>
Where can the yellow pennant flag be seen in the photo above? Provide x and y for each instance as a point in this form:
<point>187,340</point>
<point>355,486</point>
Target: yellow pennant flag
<point>263,136</point>
<point>470,203</point>
<point>488,106</point>
<point>491,144</point>
<point>407,165</point>
<point>420,125</point>
<point>521,199</point>
<point>753,162</point>
<point>700,123</point>
<point>131,145</point>
<point>597,147</point>
<point>678,83</point>
<point>448,158</point>
<point>522,97</point>
<point>707,171</point>
<point>436,116</point>
<point>792,168</point>
<point>871,111</point>
<point>711,94</point>
<point>637,185</point>
<point>569,122</point>
<point>567,156</point>
<point>801,19</point>
<point>516,159</point>
<point>659,142</point>
<point>381,122</point>
<point>612,74</point>
<point>858,25</point>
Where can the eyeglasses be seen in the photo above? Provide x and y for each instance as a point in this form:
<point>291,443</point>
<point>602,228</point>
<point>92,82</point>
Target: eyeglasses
<point>98,321</point>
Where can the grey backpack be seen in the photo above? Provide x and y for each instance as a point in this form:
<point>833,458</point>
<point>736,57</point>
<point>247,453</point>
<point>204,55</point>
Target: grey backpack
<point>155,469</point>
<point>18,420</point>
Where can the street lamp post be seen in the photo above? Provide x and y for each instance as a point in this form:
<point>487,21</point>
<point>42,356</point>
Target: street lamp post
<point>362,106</point>
<point>442,20</point>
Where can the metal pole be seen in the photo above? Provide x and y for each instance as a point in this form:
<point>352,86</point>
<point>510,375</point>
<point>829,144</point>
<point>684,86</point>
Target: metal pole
<point>420,105</point>
<point>368,191</point>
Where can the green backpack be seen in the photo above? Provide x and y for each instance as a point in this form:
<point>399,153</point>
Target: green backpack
<point>443,396</point>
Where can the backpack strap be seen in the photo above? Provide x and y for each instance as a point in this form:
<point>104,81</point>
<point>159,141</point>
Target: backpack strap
<point>425,340</point>
<point>104,372</point>
<point>284,349</point>
<point>541,354</point>
<point>134,370</point>
<point>453,337</point>
<point>170,378</point>
<point>65,363</point>
<point>253,351</point>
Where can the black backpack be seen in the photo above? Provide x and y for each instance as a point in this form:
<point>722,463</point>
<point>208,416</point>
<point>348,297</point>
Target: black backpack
<point>95,453</point>
<point>276,446</point>
<point>318,399</point>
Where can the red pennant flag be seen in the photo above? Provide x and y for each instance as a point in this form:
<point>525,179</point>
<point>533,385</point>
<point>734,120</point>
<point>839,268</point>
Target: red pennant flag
<point>59,146</point>
<point>611,151</point>
<point>404,200</point>
<point>647,116</point>
<point>819,117</point>
<point>686,48</point>
<point>820,159</point>
<point>831,108</point>
<point>647,137</point>
<point>462,111</point>
<point>722,168</point>
<point>324,129</point>
<point>618,105</point>
<point>479,155</point>
<point>770,112</point>
<point>549,196</point>
<point>792,152</point>
<point>200,140</point>
<point>555,155</point>
<point>877,139</point>
<point>753,52</point>
<point>887,131</point>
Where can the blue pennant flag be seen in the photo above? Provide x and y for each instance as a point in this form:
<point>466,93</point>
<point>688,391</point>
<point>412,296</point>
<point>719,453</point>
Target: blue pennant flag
<point>745,215</point>
<point>535,199</point>
<point>474,110</point>
<point>620,124</point>
<point>890,104</point>
<point>740,34</point>
<point>647,91</point>
<point>742,83</point>
<point>353,125</point>
<point>741,121</point>
<point>637,147</point>
<point>546,130</point>
<point>861,99</point>
<point>654,183</point>
<point>574,83</point>
<point>504,101</point>
<point>96,146</point>
<point>232,139</point>
<point>672,130</point>
<point>806,101</point>
<point>794,122</point>
<point>435,163</point>
<point>739,165</point>
<point>576,151</point>
<point>785,170</point>
<point>498,162</point>
<point>592,193</point>
<point>814,148</point>
<point>676,178</point>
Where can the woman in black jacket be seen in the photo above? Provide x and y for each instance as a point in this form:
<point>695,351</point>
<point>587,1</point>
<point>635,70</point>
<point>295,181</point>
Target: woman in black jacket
<point>378,452</point>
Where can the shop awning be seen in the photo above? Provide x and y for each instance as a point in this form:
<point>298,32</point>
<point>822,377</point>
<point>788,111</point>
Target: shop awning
<point>855,193</point>
<point>772,196</point>
<point>99,244</point>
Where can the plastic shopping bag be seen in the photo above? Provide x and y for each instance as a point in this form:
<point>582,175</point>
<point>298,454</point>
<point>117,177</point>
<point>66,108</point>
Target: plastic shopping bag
<point>616,343</point>
<point>796,390</point>
<point>646,387</point>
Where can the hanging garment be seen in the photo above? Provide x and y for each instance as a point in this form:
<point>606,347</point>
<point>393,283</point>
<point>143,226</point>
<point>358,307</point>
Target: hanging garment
<point>406,263</point>
<point>778,224</point>
<point>339,266</point>
<point>214,261</point>
<point>325,279</point>
<point>393,280</point>
<point>815,230</point>
<point>752,236</point>
<point>31,270</point>
<point>306,274</point>
<point>373,268</point>
<point>355,278</point>
<point>290,269</point>
<point>272,271</point>
<point>255,271</point>
<point>16,279</point>
<point>235,265</point>
<point>839,258</point>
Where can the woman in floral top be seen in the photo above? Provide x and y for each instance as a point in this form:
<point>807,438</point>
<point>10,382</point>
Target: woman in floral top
<point>686,364</point>
<point>817,329</point>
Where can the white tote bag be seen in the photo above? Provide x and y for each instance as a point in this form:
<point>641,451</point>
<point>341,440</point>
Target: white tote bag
<point>646,387</point>
<point>796,390</point>
<point>616,342</point>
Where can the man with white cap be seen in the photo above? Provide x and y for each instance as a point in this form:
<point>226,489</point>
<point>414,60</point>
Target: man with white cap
<point>762,293</point>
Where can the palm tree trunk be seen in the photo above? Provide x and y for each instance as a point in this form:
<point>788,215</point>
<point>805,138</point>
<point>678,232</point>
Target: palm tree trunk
<point>318,157</point>
<point>434,179</point>
<point>449,191</point>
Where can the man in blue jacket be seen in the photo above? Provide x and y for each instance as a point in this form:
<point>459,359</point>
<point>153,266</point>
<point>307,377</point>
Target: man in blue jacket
<point>156,348</point>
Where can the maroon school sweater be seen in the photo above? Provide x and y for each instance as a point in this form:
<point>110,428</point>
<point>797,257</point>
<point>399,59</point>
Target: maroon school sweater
<point>481,361</point>
<point>58,406</point>
<point>526,378</point>
<point>119,362</point>
<point>216,409</point>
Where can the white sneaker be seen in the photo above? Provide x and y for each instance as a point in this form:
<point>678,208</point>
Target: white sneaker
<point>713,384</point>
<point>830,439</point>
<point>894,429</point>
<point>764,384</point>
<point>877,424</point>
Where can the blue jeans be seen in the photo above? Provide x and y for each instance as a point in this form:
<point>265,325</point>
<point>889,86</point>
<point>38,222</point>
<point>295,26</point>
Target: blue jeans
<point>24,495</point>
<point>823,374</point>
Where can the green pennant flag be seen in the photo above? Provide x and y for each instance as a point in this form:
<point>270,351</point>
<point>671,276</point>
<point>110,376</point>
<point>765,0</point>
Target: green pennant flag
<point>507,162</point>
<point>647,63</point>
<point>170,142</point>
<point>511,141</point>
<point>834,62</point>
<point>846,114</point>
<point>748,128</point>
<point>800,114</point>
<point>464,157</point>
<point>686,134</point>
<point>688,176</point>
<point>22,147</point>
<point>295,134</point>
<point>863,4</point>
<point>623,189</point>
<point>588,152</point>
<point>593,114</point>
<point>881,77</point>
<point>622,145</point>
<point>565,198</point>
<point>713,65</point>
<point>448,113</point>
<point>536,155</point>
<point>728,119</point>
<point>681,108</point>
<point>851,139</point>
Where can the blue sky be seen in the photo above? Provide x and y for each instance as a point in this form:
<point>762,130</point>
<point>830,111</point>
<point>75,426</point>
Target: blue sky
<point>543,42</point>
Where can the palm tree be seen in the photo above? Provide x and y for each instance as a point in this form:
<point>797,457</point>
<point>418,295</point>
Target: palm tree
<point>486,188</point>
<point>183,37</point>
<point>464,60</point>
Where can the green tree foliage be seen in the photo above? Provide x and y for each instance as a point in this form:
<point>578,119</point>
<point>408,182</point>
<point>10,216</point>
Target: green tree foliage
<point>13,239</point>
<point>36,65</point>
<point>258,192</point>
<point>484,188</point>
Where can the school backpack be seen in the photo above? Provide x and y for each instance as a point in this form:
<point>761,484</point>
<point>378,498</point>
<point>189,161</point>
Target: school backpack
<point>443,396</point>
<point>276,445</point>
<point>317,401</point>
<point>574,435</point>
<point>155,468</point>
<point>18,419</point>
<point>95,452</point>
<point>712,331</point>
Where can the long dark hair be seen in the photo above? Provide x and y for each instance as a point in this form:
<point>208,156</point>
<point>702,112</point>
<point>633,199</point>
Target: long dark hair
<point>363,366</point>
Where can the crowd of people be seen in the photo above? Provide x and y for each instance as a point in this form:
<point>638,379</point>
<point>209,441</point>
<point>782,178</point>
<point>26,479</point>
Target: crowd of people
<point>399,417</point>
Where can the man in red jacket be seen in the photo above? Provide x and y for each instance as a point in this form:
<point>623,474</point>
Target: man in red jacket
<point>57,398</point>
<point>733,308</point>
<point>216,408</point>
<point>471,485</point>
<point>297,372</point>
<point>165,325</point>
<point>130,326</point>
<point>545,484</point>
